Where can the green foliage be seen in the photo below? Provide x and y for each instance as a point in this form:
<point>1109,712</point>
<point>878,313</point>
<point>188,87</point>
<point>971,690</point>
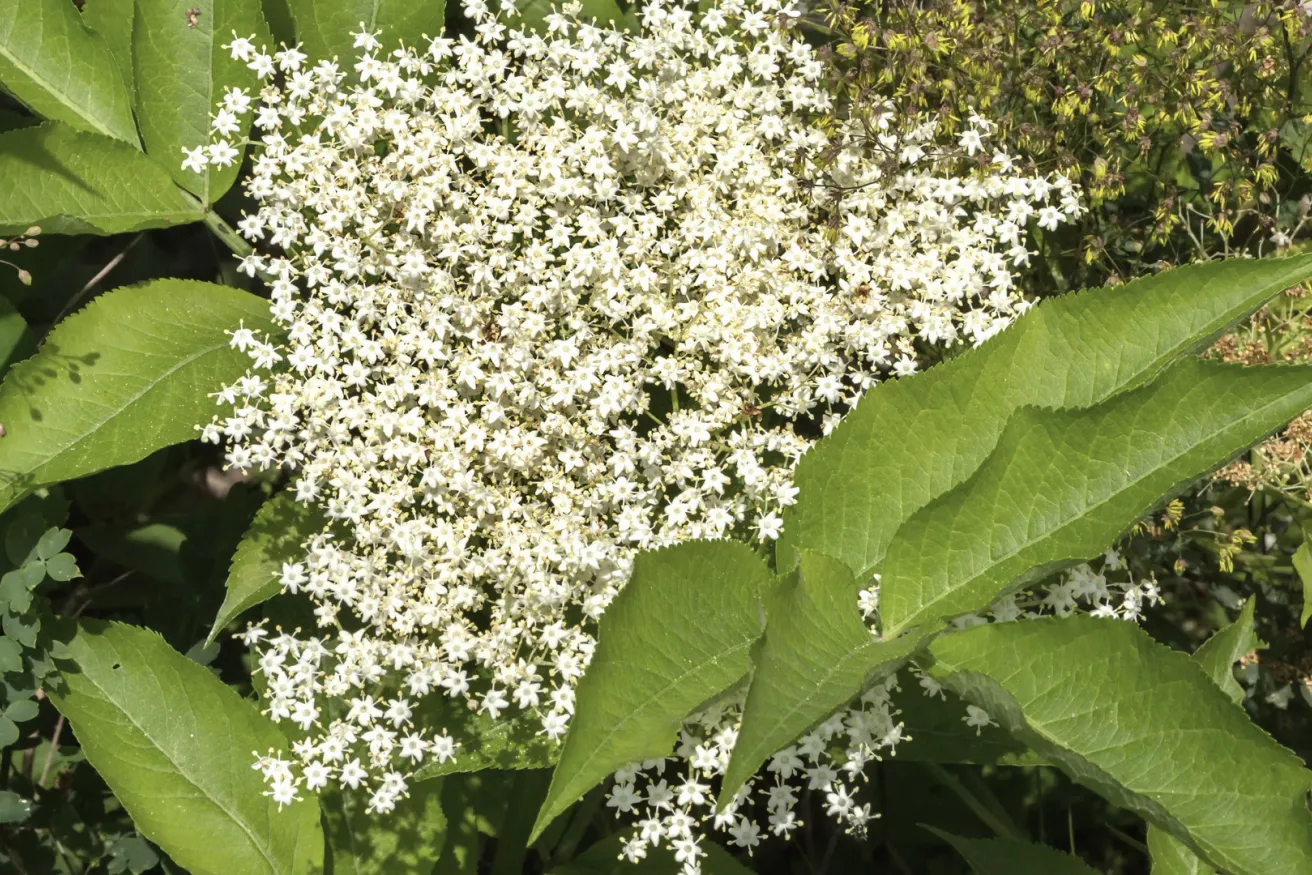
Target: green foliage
<point>325,27</point>
<point>407,841</point>
<point>63,71</point>
<point>1011,857</point>
<point>1216,657</point>
<point>1145,727</point>
<point>1061,487</point>
<point>865,479</point>
<point>130,373</point>
<point>647,676</point>
<point>113,19</point>
<point>276,536</point>
<point>815,652</point>
<point>74,182</point>
<point>182,72</point>
<point>175,745</point>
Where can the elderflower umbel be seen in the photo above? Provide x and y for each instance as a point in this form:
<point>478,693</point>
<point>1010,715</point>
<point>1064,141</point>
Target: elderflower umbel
<point>553,298</point>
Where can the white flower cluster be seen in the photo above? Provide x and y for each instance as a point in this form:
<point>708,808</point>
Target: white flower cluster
<point>673,799</point>
<point>550,299</point>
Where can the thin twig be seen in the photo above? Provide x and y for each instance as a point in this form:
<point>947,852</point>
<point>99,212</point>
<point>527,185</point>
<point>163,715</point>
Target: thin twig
<point>100,275</point>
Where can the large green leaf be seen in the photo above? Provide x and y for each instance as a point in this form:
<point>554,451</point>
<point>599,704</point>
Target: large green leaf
<point>816,656</point>
<point>176,744</point>
<point>648,675</point>
<point>1145,727</point>
<point>1219,653</point>
<point>325,27</point>
<point>277,535</point>
<point>913,439</point>
<point>130,373</point>
<point>1217,657</point>
<point>1171,857</point>
<point>72,182</point>
<point>112,19</point>
<point>1011,857</point>
<point>1062,486</point>
<point>405,841</point>
<point>61,70</point>
<point>182,72</point>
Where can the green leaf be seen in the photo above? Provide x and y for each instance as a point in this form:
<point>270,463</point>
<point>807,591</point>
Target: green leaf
<point>603,858</point>
<point>153,549</point>
<point>62,567</point>
<point>13,808</point>
<point>1217,657</point>
<point>16,340</point>
<point>176,744</point>
<point>112,19</point>
<point>911,440</point>
<point>1303,565</point>
<point>182,73</point>
<point>50,61</point>
<point>1171,857</point>
<point>1219,653</point>
<point>405,841</point>
<point>647,676</point>
<point>325,27</point>
<point>1062,486</point>
<point>11,656</point>
<point>936,732</point>
<point>1011,857</point>
<point>8,732</point>
<point>484,743</point>
<point>22,710</point>
<point>131,372</point>
<point>277,535</point>
<point>52,542</point>
<point>72,182</point>
<point>1143,726</point>
<point>816,656</point>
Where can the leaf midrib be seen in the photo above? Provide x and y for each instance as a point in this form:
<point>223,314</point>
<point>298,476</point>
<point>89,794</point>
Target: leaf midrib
<point>922,607</point>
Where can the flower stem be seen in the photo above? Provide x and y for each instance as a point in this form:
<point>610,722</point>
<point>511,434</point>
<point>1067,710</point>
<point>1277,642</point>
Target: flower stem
<point>228,235</point>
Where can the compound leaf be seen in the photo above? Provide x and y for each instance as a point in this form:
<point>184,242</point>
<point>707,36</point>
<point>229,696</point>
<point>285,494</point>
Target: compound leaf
<point>1144,726</point>
<point>73,182</point>
<point>676,636</point>
<point>50,61</point>
<point>130,373</point>
<point>1062,486</point>
<point>176,744</point>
